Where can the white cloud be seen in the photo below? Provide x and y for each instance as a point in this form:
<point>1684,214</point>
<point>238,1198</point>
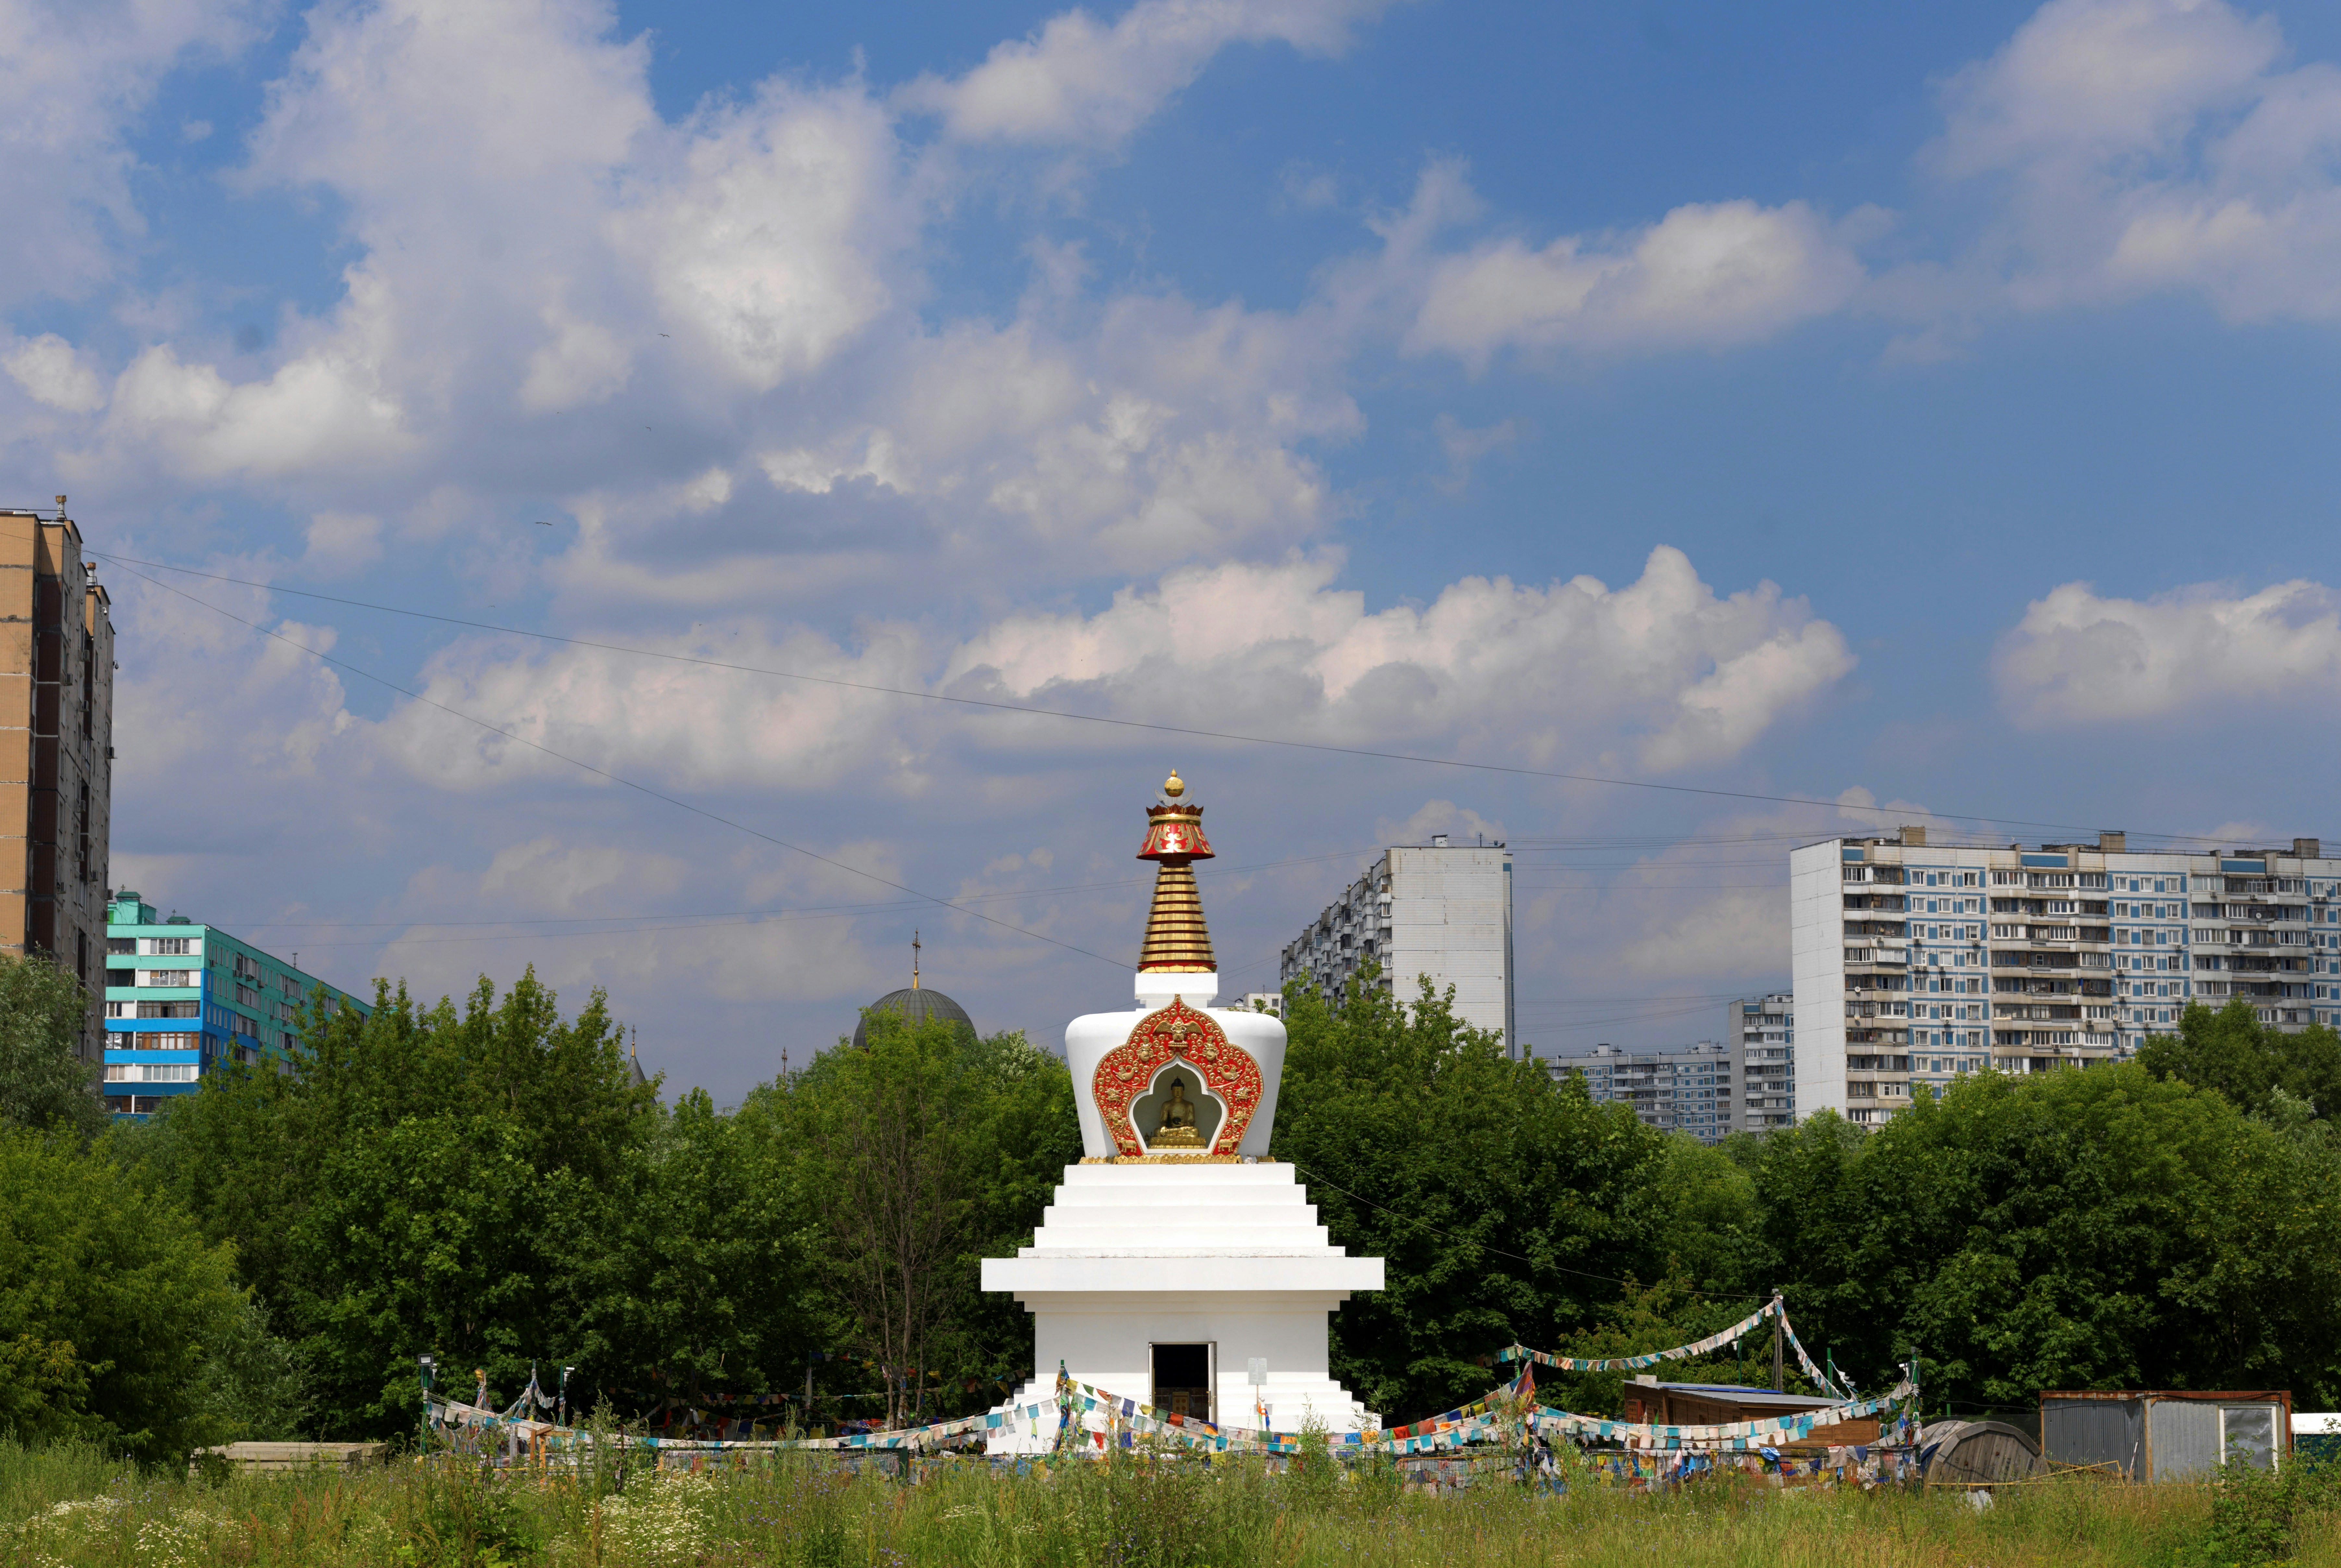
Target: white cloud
<point>1662,672</point>
<point>274,710</point>
<point>1710,274</point>
<point>2148,144</point>
<point>1661,666</point>
<point>552,876</point>
<point>339,542</point>
<point>1722,894</point>
<point>583,363</point>
<point>56,373</point>
<point>2077,657</point>
<point>80,74</point>
<point>327,408</point>
<point>768,239</point>
<point>1079,81</point>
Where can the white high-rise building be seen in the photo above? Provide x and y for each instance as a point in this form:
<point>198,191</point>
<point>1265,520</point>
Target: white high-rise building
<point>1764,1031</point>
<point>1440,909</point>
<point>1917,962</point>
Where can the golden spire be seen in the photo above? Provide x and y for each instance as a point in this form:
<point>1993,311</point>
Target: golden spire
<point>1176,941</point>
<point>915,961</point>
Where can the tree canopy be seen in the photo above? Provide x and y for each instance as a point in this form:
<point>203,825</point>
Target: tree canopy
<point>2250,1063</point>
<point>44,1082</point>
<point>111,1305</point>
<point>491,1180</point>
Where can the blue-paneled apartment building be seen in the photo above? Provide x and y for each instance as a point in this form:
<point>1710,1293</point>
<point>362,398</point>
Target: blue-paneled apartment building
<point>181,998</point>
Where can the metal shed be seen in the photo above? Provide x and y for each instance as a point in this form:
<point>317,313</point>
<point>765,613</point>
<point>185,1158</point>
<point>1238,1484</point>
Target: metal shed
<point>2165,1434</point>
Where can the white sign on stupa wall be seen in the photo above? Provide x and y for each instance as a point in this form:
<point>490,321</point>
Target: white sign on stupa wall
<point>1178,1254</point>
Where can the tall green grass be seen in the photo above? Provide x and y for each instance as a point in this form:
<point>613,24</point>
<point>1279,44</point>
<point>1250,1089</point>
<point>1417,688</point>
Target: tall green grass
<point>67,1508</point>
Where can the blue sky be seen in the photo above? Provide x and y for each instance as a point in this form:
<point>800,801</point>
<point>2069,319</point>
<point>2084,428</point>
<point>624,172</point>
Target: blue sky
<point>1903,408</point>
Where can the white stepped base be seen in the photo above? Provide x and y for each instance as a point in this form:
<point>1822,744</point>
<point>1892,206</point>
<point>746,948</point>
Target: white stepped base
<point>1291,1403</point>
<point>1132,1255</point>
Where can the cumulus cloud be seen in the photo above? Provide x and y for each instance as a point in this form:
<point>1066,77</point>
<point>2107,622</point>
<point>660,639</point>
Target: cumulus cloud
<point>1080,81</point>
<point>1662,671</point>
<point>81,73</point>
<point>2149,144</point>
<point>2079,658</point>
<point>329,408</point>
<point>53,372</point>
<point>555,281</point>
<point>1707,275</point>
<point>1662,667</point>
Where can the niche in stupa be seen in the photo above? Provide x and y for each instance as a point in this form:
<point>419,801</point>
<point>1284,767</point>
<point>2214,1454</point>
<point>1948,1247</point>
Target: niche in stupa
<point>1177,1086</point>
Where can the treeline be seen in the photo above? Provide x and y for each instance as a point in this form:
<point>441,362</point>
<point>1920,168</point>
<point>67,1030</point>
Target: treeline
<point>493,1183</point>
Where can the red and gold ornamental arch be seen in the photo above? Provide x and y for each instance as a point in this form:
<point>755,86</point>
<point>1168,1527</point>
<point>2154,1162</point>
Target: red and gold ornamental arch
<point>1181,1033</point>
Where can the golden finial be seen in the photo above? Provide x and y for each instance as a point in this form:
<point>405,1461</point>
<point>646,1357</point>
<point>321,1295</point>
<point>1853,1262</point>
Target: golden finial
<point>1176,940</point>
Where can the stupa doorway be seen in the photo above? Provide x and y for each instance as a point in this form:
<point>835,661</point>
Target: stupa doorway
<point>1185,1378</point>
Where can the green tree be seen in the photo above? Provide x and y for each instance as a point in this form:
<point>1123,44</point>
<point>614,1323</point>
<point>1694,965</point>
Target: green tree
<point>1507,1206</point>
<point>111,1305</point>
<point>2097,1229</point>
<point>493,1184</point>
<point>2232,1052</point>
<point>714,1285</point>
<point>44,1082</point>
<point>926,1150</point>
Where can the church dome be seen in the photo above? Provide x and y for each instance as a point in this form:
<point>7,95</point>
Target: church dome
<point>915,1006</point>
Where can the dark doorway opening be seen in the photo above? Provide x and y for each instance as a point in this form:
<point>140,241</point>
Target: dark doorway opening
<point>1182,1380</point>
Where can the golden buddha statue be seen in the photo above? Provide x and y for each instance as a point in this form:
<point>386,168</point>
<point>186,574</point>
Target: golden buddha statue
<point>1177,1129</point>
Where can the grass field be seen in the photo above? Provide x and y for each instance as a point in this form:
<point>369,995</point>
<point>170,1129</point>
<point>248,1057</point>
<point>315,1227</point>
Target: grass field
<point>67,1505</point>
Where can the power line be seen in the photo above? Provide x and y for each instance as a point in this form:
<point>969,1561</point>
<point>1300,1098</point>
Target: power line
<point>674,915</point>
<point>1031,710</point>
<point>629,783</point>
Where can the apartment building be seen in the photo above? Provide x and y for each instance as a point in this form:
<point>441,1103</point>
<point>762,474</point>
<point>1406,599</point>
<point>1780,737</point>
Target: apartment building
<point>1686,1091</point>
<point>1706,1091</point>
<point>56,752</point>
<point>181,998</point>
<point>1764,1029</point>
<point>1917,962</point>
<point>1441,910</point>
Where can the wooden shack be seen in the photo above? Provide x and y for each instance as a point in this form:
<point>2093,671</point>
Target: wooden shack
<point>250,1456</point>
<point>1723,1404</point>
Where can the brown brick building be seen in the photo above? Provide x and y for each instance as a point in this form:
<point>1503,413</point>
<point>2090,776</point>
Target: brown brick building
<point>56,752</point>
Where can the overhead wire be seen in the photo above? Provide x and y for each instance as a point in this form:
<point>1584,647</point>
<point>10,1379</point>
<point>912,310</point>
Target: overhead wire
<point>716,817</point>
<point>1034,710</point>
<point>732,914</point>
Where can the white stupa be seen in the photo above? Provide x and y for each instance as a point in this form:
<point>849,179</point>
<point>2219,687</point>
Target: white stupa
<point>1179,1253</point>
